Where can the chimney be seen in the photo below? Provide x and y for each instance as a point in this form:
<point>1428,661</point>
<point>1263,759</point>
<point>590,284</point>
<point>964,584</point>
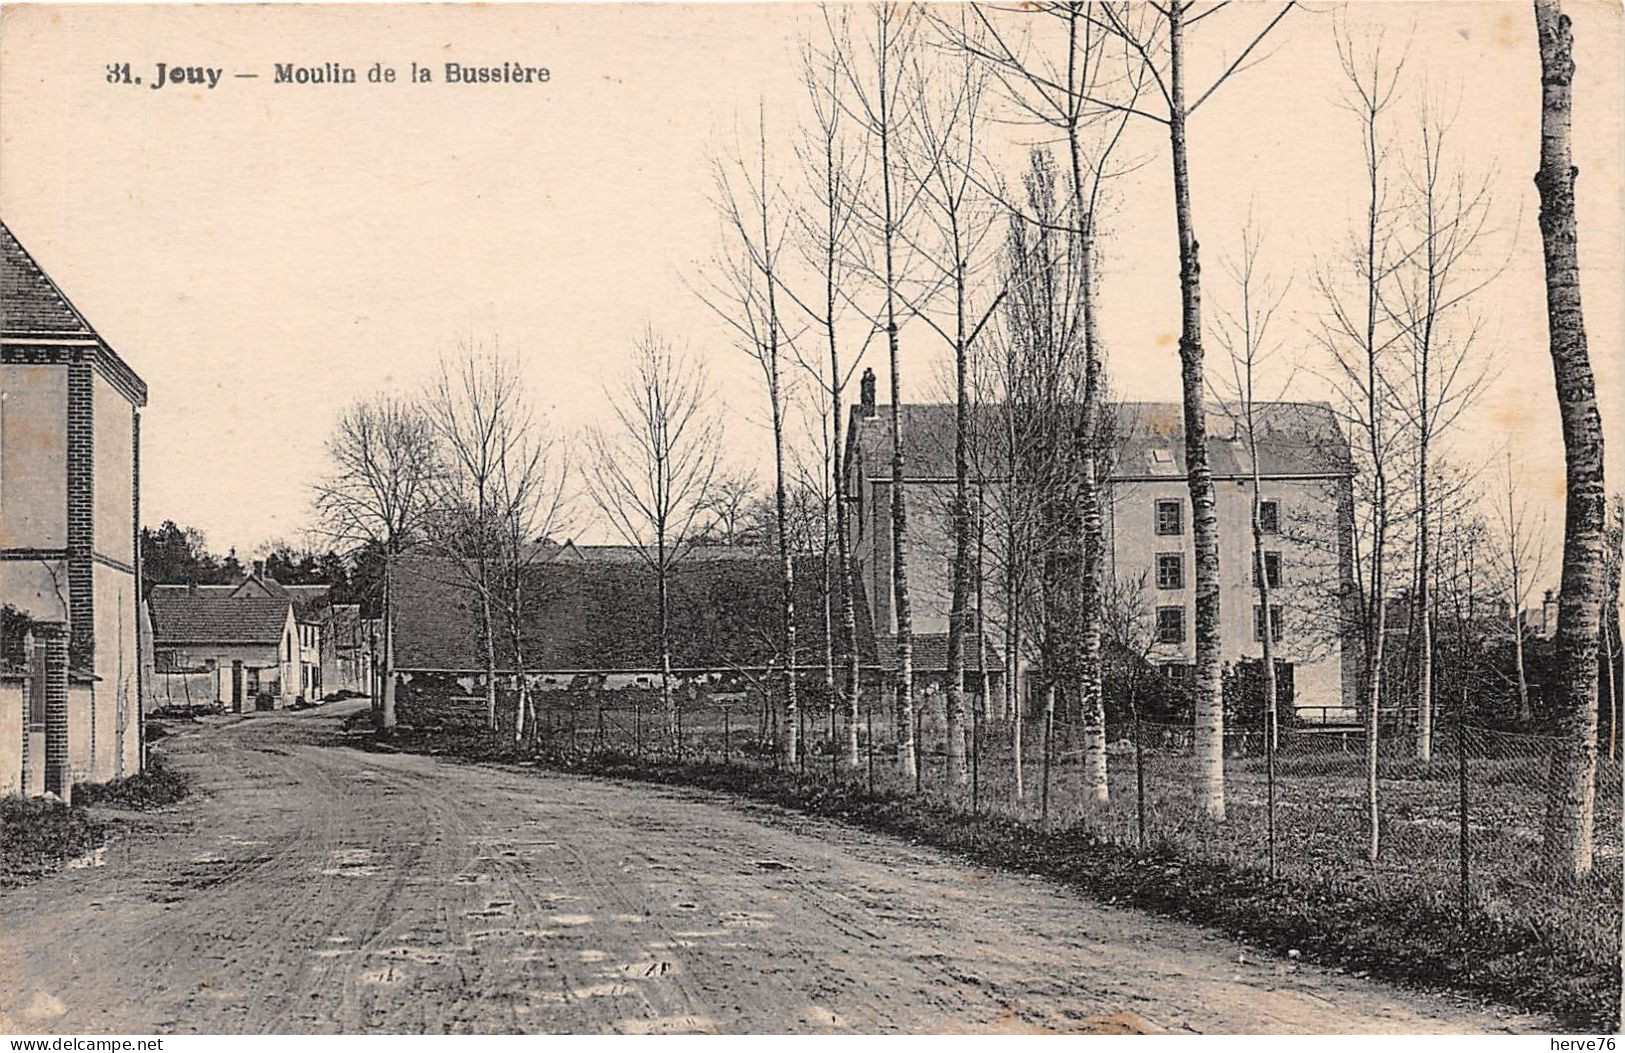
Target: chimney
<point>259,568</point>
<point>866,393</point>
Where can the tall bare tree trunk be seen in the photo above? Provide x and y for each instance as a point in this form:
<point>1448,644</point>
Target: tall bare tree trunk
<point>387,714</point>
<point>899,501</point>
<point>1571,787</point>
<point>1208,739</point>
<point>959,607</point>
<point>843,543</point>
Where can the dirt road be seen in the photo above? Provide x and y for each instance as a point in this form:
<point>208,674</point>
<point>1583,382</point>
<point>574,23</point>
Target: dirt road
<point>308,886</point>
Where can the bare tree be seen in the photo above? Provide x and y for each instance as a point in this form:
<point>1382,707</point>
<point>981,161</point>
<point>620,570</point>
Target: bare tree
<point>1571,789</point>
<point>651,470</point>
<point>1360,348</point>
<point>1518,557</point>
<point>532,492</point>
<point>1157,37</point>
<point>475,404</point>
<point>383,454</point>
<point>1059,84</point>
<point>877,100</point>
<point>1443,219</point>
<point>836,174</point>
<point>957,217</point>
<point>745,295</point>
<point>1243,332</point>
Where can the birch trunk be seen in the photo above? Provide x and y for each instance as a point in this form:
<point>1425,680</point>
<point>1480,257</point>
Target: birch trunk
<point>899,501</point>
<point>1208,738</point>
<point>1571,786</point>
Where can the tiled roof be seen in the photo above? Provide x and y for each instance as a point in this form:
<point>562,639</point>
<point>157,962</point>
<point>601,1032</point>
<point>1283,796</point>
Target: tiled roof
<point>29,301</point>
<point>931,653</point>
<point>211,614</point>
<point>310,602</point>
<point>1295,438</point>
<point>603,615</point>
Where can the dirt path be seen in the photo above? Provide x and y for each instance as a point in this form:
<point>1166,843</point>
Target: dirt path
<point>312,887</point>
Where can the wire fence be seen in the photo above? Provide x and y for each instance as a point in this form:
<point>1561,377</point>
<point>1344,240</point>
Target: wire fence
<point>1462,828</point>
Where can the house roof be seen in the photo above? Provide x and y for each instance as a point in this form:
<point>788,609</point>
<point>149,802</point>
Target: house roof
<point>182,614</point>
<point>29,301</point>
<point>1294,439</point>
<point>603,616</point>
<point>310,602</point>
<point>34,308</point>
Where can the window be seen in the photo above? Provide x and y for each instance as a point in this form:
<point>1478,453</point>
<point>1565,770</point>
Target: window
<point>1275,622</point>
<point>1171,625</point>
<point>1170,518</point>
<point>1272,570</point>
<point>1170,570</point>
<point>1269,517</point>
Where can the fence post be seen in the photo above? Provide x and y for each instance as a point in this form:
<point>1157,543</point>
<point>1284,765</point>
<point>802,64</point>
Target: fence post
<point>1139,776</point>
<point>869,727</point>
<point>598,747</point>
<point>1049,735</point>
<point>976,757</point>
<point>834,754</point>
<point>1461,790</point>
<point>727,734</point>
<point>801,739</point>
<point>679,709</point>
<point>1270,732</point>
<point>919,748</point>
<point>637,727</point>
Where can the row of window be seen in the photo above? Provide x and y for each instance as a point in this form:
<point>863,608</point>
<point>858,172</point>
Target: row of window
<point>1171,517</point>
<point>1171,570</point>
<point>1171,624</point>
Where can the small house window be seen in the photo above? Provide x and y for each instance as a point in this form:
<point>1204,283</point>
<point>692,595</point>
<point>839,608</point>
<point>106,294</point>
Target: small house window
<point>1170,518</point>
<point>1269,517</point>
<point>1272,570</point>
<point>1170,570</point>
<point>1171,625</point>
<point>1275,622</point>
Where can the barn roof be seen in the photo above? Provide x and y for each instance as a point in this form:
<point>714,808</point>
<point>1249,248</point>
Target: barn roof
<point>1294,439</point>
<point>602,615</point>
<point>182,614</point>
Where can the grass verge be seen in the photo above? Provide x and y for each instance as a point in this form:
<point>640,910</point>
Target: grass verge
<point>39,834</point>
<point>1418,941</point>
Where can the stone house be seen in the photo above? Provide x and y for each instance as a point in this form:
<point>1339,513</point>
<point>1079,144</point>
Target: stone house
<point>70,427</point>
<point>1306,491</point>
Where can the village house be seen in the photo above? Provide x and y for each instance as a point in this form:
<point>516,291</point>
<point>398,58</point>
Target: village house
<point>70,450</point>
<point>258,638</point>
<point>1306,490</point>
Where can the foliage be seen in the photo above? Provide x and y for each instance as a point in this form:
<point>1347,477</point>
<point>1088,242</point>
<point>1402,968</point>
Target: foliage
<point>156,787</point>
<point>39,833</point>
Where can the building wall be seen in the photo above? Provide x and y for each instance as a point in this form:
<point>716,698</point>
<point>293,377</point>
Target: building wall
<point>13,697</point>
<point>1309,547</point>
<point>114,496</point>
<point>81,717</point>
<point>117,665</point>
<point>33,456</point>
<point>37,587</point>
<point>1311,542</point>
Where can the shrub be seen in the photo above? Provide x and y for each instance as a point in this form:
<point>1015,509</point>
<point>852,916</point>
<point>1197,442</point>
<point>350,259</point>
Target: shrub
<point>38,833</point>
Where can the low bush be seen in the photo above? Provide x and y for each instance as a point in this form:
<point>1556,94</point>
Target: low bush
<point>38,833</point>
<point>155,787</point>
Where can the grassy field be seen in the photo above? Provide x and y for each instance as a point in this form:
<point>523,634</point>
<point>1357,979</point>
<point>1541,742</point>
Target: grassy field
<point>1518,940</point>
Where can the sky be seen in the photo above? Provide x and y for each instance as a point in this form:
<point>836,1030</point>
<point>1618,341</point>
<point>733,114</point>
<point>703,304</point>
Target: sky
<point>265,254</point>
